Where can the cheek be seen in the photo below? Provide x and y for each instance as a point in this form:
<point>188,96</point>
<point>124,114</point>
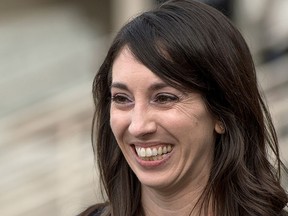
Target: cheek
<point>118,123</point>
<point>192,124</point>
<point>195,114</point>
<point>182,117</point>
<point>114,124</point>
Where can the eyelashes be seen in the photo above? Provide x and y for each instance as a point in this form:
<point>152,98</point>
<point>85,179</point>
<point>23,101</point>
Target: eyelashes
<point>159,99</point>
<point>164,98</point>
<point>121,99</point>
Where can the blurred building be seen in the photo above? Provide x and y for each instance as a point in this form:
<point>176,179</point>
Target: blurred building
<point>49,53</point>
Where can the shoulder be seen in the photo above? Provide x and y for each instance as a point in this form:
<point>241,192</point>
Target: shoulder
<point>95,210</point>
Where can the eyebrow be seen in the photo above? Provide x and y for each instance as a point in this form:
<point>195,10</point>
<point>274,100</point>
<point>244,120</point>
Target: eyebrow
<point>154,87</point>
<point>119,86</point>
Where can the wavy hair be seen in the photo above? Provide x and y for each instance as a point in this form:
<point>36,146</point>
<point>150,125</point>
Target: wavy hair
<point>190,45</point>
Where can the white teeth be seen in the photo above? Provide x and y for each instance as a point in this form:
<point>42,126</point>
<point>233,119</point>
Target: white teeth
<point>138,151</point>
<point>148,152</point>
<point>142,152</point>
<point>169,148</point>
<point>154,151</point>
<point>164,150</point>
<point>159,151</point>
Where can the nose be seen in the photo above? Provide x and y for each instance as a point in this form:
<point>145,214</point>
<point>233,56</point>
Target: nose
<point>142,122</point>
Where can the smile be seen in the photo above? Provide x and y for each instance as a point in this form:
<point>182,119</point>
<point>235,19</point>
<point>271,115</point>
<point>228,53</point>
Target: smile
<point>154,153</point>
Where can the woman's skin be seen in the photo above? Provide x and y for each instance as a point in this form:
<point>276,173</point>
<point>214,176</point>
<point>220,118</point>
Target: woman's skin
<point>150,117</point>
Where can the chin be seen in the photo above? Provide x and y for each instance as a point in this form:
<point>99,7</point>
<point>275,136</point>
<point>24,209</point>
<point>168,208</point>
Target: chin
<point>154,181</point>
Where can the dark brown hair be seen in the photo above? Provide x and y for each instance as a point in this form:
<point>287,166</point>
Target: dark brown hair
<point>192,46</point>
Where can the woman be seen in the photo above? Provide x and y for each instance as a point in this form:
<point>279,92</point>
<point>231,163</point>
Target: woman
<point>180,127</point>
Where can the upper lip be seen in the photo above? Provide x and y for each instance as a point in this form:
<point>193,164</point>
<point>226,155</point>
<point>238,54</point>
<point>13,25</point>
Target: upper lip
<point>149,144</point>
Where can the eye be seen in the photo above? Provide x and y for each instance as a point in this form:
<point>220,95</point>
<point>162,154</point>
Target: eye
<point>164,98</point>
<point>121,99</point>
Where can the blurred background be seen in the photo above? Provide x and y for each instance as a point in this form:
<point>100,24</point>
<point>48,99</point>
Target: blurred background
<point>49,53</point>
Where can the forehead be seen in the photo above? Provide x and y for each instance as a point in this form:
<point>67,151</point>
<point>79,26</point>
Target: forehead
<point>126,67</point>
<point>125,58</point>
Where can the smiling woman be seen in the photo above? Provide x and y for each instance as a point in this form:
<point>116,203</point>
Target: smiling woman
<point>147,118</point>
<point>185,131</point>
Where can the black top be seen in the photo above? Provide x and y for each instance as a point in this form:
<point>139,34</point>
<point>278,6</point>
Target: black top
<point>97,212</point>
<point>98,209</point>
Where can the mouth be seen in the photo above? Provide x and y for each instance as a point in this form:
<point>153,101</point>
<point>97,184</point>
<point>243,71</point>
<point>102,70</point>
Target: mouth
<point>152,153</point>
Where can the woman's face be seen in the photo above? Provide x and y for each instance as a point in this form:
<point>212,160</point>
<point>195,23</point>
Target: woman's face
<point>167,136</point>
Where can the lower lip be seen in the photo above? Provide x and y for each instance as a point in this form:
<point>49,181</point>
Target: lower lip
<point>152,163</point>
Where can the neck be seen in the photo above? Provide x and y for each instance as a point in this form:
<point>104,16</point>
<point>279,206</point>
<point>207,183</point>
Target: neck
<point>173,202</point>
